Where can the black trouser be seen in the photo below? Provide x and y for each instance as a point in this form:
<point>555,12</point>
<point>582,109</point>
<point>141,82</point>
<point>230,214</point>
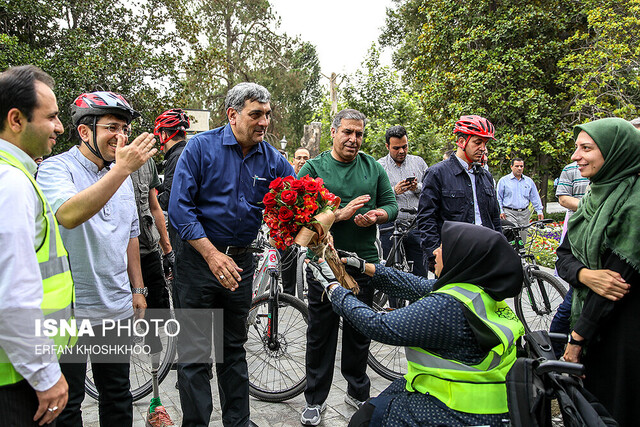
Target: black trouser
<point>289,268</point>
<point>362,417</point>
<point>158,297</point>
<point>18,405</point>
<point>322,343</point>
<point>196,287</point>
<point>111,377</point>
<point>412,248</point>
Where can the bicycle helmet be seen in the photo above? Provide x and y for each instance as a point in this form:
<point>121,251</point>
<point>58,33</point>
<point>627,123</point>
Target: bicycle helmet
<point>175,120</point>
<point>98,104</point>
<point>473,125</point>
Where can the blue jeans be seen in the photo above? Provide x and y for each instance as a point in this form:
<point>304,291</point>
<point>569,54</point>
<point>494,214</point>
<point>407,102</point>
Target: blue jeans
<point>561,321</point>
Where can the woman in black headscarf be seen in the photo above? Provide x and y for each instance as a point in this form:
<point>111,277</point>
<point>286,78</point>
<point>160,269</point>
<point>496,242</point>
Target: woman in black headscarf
<point>458,331</point>
<point>601,260</point>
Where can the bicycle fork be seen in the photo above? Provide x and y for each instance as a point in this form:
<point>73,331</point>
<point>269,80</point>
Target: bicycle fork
<point>273,305</point>
<point>529,281</point>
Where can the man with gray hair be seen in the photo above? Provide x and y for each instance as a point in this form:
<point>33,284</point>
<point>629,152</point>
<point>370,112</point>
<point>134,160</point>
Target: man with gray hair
<point>216,207</point>
<point>367,199</point>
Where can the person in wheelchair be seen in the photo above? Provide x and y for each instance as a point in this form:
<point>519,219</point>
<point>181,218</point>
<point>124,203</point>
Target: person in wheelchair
<point>459,333</point>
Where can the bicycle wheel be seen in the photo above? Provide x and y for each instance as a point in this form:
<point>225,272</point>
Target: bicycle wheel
<point>277,374</point>
<point>140,377</point>
<point>530,304</point>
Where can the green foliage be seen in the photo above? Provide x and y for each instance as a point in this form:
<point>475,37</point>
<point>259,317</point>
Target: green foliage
<point>162,54</point>
<point>238,41</point>
<point>601,76</point>
<point>377,91</point>
<point>97,45</point>
<point>535,69</point>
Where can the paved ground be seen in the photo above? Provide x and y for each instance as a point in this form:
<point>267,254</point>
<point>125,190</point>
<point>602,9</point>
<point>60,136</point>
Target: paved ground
<point>264,414</point>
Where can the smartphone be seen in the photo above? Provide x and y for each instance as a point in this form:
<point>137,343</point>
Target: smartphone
<point>410,179</point>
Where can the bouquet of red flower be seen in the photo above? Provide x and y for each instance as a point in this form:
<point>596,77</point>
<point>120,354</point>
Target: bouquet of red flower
<point>301,211</point>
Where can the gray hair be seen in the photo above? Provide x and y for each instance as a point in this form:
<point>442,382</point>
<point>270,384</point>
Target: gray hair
<point>240,93</point>
<point>635,122</point>
<point>348,114</point>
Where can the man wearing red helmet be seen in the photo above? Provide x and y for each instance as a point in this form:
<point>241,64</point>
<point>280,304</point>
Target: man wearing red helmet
<point>171,127</point>
<point>92,196</point>
<point>459,188</point>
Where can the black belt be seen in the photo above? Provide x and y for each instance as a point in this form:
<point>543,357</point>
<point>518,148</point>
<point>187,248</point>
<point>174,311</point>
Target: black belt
<point>517,210</point>
<point>233,250</point>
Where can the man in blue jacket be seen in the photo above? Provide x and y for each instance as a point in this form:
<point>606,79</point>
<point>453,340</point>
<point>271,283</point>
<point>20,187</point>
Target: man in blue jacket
<point>459,188</point>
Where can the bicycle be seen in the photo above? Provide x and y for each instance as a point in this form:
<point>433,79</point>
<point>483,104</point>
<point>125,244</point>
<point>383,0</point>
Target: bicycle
<point>276,336</point>
<point>142,367</point>
<point>541,293</point>
<point>387,360</point>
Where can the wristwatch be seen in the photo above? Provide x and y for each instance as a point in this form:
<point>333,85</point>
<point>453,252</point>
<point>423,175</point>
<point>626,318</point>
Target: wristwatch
<point>574,341</point>
<point>144,291</point>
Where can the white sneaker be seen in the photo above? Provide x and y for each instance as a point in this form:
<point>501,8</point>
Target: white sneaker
<point>350,400</point>
<point>312,414</point>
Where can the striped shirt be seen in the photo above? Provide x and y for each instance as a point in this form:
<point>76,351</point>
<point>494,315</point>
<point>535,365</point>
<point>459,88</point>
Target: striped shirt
<point>571,183</point>
<point>412,166</point>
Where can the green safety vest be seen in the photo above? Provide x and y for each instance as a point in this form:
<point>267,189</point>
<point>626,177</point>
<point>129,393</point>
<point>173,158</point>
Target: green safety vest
<point>57,284</point>
<point>477,389</point>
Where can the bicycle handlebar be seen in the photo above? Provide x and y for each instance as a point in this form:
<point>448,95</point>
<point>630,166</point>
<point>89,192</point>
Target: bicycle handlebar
<point>560,368</point>
<point>410,211</point>
<point>538,224</point>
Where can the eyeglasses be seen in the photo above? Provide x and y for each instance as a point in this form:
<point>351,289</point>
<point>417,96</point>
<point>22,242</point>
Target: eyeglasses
<point>115,129</point>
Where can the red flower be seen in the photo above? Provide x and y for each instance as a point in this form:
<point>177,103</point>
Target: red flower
<point>289,197</point>
<point>285,214</point>
<point>312,186</point>
<point>286,221</point>
<point>276,184</point>
<point>269,199</point>
<point>298,186</point>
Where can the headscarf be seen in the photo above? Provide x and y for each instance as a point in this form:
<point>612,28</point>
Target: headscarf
<point>609,215</point>
<point>479,256</point>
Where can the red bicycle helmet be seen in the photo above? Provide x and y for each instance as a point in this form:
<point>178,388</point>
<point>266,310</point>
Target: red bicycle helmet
<point>473,125</point>
<point>175,120</point>
<point>99,104</point>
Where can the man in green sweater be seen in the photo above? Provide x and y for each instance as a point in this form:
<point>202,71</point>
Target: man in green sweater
<point>367,199</point>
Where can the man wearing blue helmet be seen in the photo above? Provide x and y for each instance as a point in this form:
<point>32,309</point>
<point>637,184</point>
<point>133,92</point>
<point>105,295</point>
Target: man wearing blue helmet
<point>90,191</point>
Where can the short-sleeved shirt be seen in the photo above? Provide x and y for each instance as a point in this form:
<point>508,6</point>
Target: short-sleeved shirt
<point>98,247</point>
<point>571,182</point>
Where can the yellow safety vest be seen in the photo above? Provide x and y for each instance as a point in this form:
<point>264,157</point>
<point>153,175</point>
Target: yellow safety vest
<point>57,284</point>
<point>477,389</point>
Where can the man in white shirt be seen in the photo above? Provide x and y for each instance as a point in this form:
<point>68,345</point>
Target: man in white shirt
<point>32,387</point>
<point>405,173</point>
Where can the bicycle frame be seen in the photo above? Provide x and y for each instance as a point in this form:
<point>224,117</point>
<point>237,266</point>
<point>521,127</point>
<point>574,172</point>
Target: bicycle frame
<point>528,265</point>
<point>271,268</point>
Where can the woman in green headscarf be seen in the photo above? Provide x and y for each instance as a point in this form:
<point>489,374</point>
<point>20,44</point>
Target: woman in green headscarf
<point>601,259</point>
